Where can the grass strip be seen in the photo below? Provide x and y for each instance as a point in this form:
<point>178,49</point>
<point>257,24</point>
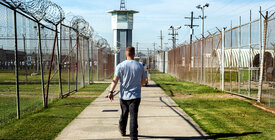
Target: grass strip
<point>48,123</point>
<point>221,115</point>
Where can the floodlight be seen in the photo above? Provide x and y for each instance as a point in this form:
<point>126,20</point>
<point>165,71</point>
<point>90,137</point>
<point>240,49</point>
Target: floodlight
<point>206,5</point>
<point>198,6</point>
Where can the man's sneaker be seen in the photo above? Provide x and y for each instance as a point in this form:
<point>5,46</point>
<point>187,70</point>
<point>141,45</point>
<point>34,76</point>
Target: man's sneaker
<point>121,132</point>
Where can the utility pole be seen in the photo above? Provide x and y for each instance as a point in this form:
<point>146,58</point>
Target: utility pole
<point>154,44</point>
<point>166,45</point>
<point>154,61</point>
<point>161,39</point>
<point>202,36</point>
<point>174,35</point>
<point>191,25</point>
<point>137,48</point>
<point>148,57</point>
<point>161,47</point>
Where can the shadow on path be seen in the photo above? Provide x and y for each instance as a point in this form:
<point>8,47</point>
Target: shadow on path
<point>214,135</point>
<point>154,85</point>
<point>190,123</point>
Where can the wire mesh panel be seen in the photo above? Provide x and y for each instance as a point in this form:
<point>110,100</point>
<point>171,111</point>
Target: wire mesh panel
<point>100,69</point>
<point>52,59</point>
<point>234,68</point>
<point>94,62</point>
<point>268,92</point>
<point>50,51</point>
<point>208,73</point>
<point>30,88</point>
<point>68,59</point>
<point>7,67</point>
<point>254,51</point>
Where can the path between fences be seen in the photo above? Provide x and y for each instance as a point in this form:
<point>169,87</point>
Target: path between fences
<point>159,118</point>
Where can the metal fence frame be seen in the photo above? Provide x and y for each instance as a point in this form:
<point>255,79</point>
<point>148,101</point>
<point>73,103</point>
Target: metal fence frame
<point>228,60</point>
<point>72,53</point>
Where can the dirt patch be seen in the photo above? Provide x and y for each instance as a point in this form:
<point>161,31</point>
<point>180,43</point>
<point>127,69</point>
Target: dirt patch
<point>178,95</point>
<point>263,107</point>
<point>85,92</point>
<point>83,96</point>
<point>13,95</point>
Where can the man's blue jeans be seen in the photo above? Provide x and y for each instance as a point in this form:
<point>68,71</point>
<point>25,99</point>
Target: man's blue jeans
<point>132,107</point>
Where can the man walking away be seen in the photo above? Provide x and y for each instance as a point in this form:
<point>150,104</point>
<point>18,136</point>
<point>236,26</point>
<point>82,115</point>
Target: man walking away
<point>132,76</point>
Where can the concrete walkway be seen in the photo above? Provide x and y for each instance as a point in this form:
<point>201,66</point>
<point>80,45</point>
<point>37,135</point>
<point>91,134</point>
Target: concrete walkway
<point>159,118</point>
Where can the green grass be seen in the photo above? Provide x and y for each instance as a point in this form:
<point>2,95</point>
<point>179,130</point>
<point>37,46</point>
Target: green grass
<point>31,92</point>
<point>221,115</point>
<point>48,123</point>
<point>96,88</point>
<point>9,76</point>
<point>171,84</point>
<point>8,110</point>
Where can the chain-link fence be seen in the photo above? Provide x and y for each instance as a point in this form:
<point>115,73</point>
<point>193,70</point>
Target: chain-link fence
<point>41,61</point>
<point>239,60</point>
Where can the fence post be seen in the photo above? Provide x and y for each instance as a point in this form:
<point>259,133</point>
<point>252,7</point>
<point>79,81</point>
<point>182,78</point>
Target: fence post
<point>83,62</point>
<point>16,64</point>
<point>92,59</point>
<point>212,49</point>
<point>164,61</point>
<point>70,53</point>
<point>250,55</point>
<point>41,63</point>
<point>97,68</point>
<point>89,66</point>
<point>59,55</point>
<point>222,63</point>
<point>77,48</point>
<point>239,57</point>
<point>231,54</point>
<point>25,57</point>
<point>262,56</point>
<point>50,70</point>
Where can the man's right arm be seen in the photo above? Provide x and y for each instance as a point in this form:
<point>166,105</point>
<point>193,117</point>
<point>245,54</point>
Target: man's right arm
<point>114,83</point>
<point>113,86</point>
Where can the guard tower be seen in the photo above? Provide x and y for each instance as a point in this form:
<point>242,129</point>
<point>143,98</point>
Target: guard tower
<point>122,25</point>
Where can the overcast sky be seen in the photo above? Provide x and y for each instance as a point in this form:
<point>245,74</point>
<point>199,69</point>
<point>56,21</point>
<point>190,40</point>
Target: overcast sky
<point>156,15</point>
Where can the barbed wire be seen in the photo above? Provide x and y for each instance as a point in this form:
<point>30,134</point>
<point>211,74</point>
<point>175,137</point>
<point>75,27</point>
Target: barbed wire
<point>39,9</point>
<point>83,27</point>
<point>54,14</point>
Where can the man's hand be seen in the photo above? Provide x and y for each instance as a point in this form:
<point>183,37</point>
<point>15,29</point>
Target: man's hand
<point>111,96</point>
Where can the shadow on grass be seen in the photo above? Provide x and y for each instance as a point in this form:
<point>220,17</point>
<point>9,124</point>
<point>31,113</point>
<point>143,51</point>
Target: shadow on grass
<point>216,135</point>
<point>225,135</point>
<point>213,135</point>
<point>154,85</point>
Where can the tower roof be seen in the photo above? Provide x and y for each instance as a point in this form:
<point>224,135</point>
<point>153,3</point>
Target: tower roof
<point>123,11</point>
